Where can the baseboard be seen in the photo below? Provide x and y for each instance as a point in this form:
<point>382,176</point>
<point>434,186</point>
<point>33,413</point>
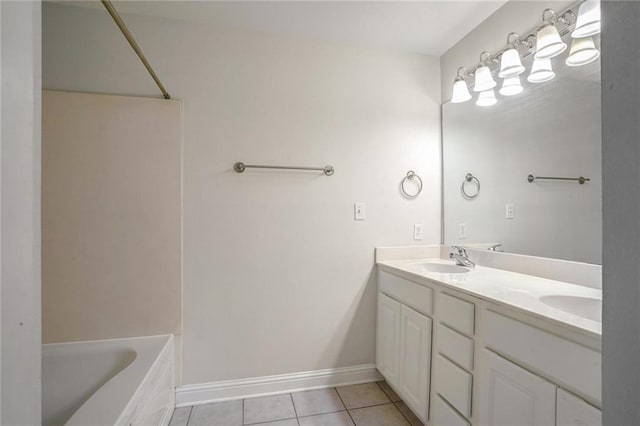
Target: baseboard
<point>272,385</point>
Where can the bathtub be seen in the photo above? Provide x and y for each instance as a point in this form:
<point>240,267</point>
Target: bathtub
<point>108,382</point>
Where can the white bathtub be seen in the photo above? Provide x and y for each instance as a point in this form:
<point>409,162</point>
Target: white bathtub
<point>108,382</point>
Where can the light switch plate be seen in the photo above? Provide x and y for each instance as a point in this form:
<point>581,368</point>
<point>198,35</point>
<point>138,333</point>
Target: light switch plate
<point>359,211</point>
<point>462,231</point>
<point>418,231</point>
<point>509,214</point>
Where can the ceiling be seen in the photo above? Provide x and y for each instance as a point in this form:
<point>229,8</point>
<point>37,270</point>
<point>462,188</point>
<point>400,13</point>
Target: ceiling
<point>428,27</point>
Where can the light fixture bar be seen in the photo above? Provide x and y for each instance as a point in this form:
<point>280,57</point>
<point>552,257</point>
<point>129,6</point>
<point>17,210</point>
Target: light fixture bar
<point>531,34</point>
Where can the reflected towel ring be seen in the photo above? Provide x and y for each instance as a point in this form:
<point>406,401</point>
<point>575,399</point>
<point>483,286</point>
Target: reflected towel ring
<point>470,178</point>
<point>415,179</point>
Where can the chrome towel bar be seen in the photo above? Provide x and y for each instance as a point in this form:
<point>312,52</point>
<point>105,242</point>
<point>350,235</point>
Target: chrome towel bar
<point>241,167</point>
<point>581,180</point>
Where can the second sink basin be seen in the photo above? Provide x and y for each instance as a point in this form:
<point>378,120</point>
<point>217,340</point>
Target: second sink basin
<point>443,268</point>
<point>585,307</point>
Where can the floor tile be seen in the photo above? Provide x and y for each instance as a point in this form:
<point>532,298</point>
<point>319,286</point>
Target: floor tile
<point>408,414</point>
<point>389,392</point>
<point>289,422</point>
<point>318,401</point>
<point>217,414</point>
<point>365,395</point>
<point>380,415</point>
<point>332,419</point>
<point>268,408</point>
<point>180,416</point>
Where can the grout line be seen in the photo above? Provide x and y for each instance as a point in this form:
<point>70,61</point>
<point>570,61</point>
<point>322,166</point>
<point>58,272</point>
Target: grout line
<point>345,406</point>
<point>242,411</point>
<point>395,404</point>
<point>294,405</point>
<point>189,416</point>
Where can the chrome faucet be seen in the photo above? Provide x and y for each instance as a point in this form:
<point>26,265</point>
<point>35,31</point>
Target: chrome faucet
<point>461,257</point>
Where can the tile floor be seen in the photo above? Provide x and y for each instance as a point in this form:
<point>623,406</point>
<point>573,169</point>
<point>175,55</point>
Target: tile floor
<point>369,404</point>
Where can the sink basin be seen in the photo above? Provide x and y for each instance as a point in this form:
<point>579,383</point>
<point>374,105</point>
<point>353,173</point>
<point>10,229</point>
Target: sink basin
<point>585,307</point>
<point>443,268</point>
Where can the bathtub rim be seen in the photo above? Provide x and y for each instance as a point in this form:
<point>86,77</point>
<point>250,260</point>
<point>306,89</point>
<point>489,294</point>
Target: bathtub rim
<point>102,403</point>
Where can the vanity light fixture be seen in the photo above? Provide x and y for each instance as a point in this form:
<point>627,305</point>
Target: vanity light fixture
<point>588,21</point>
<point>583,51</point>
<point>484,80</point>
<point>511,86</point>
<point>549,44</point>
<point>460,89</point>
<point>486,98</point>
<point>510,63</point>
<point>541,71</point>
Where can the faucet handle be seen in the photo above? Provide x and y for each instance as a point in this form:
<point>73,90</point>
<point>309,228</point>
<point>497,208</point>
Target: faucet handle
<point>461,250</point>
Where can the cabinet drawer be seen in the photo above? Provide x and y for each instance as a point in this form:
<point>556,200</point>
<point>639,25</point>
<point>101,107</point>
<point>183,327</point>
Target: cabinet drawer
<point>455,346</point>
<point>411,294</point>
<point>443,415</point>
<point>573,411</point>
<point>457,313</point>
<point>454,385</point>
<point>564,362</point>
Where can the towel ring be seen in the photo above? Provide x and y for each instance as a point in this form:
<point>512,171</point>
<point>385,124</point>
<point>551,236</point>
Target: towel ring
<point>470,178</point>
<point>414,178</point>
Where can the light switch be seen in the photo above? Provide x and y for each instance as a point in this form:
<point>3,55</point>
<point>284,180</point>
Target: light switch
<point>359,211</point>
<point>418,231</point>
<point>462,231</point>
<point>508,214</point>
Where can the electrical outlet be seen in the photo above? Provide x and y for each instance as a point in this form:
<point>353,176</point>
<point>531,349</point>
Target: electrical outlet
<point>462,231</point>
<point>418,231</point>
<point>359,211</point>
<point>508,214</point>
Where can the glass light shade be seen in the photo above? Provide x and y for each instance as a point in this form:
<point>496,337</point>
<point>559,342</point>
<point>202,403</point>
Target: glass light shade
<point>484,80</point>
<point>549,43</point>
<point>541,71</point>
<point>588,22</point>
<point>511,86</point>
<point>510,64</point>
<point>486,98</point>
<point>460,91</point>
<point>583,51</point>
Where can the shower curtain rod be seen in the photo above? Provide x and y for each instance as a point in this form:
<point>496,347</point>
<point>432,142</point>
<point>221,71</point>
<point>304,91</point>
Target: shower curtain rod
<point>125,32</point>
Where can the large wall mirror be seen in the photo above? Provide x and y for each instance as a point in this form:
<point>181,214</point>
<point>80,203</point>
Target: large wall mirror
<point>551,129</point>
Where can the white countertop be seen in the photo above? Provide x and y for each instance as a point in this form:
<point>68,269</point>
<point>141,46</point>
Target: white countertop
<point>512,289</point>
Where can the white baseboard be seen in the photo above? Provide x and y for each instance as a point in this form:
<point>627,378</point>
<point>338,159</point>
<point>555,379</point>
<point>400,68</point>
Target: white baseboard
<point>206,393</point>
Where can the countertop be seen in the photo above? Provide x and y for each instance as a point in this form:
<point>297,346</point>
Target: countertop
<point>511,289</point>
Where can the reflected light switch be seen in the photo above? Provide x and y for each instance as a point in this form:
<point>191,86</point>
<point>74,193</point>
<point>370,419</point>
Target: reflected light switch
<point>462,230</point>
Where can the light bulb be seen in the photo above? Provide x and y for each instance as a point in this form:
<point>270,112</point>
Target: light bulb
<point>548,44</point>
<point>484,80</point>
<point>460,91</point>
<point>510,64</point>
<point>511,86</point>
<point>583,51</point>
<point>541,71</point>
<point>588,21</point>
<point>486,98</point>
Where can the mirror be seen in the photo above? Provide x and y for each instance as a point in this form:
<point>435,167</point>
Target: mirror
<point>550,130</point>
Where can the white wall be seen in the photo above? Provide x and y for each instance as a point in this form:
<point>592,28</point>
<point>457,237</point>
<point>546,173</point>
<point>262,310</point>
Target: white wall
<point>277,274</point>
<point>491,35</point>
<point>621,241</point>
<point>20,213</point>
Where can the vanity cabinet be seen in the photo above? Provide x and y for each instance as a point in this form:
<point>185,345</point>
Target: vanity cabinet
<point>403,340</point>
<point>513,396</point>
<point>458,360</point>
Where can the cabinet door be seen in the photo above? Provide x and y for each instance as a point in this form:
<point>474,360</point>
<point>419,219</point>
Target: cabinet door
<point>511,396</point>
<point>388,338</point>
<point>415,361</point>
<point>573,411</point>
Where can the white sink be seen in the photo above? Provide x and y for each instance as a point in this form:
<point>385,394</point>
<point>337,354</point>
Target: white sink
<point>443,268</point>
<point>585,307</point>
